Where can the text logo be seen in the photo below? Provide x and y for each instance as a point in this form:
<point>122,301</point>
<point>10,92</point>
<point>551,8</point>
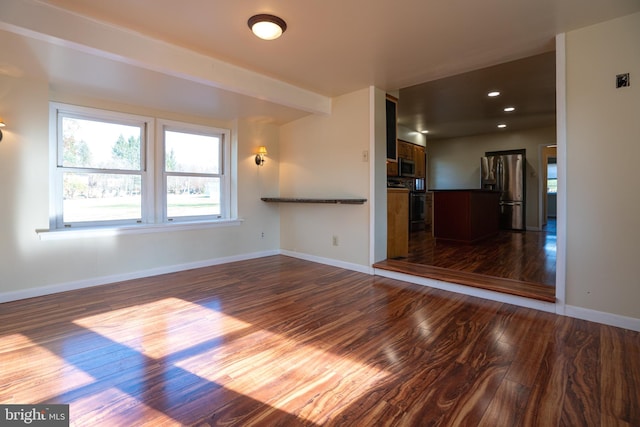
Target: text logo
<point>53,415</point>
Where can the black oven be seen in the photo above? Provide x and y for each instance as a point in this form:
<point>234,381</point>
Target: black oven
<point>417,210</point>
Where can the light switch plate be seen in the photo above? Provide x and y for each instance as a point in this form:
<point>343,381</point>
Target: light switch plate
<point>622,80</point>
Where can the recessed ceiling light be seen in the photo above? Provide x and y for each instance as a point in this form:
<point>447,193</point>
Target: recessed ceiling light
<point>493,94</point>
<point>509,109</point>
<point>502,126</point>
<point>267,27</point>
<point>424,131</point>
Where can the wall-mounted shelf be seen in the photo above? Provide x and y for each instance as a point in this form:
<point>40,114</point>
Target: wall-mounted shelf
<point>309,200</point>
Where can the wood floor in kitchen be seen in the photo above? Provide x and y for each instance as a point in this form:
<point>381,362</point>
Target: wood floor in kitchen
<point>279,341</point>
<point>519,263</point>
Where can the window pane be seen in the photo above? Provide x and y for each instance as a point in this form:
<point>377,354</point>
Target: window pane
<point>101,197</point>
<point>185,152</point>
<point>191,196</point>
<point>94,144</point>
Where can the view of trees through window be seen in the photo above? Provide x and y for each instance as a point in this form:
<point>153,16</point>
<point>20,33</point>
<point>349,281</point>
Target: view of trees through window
<point>102,178</point>
<point>101,167</point>
<point>192,169</point>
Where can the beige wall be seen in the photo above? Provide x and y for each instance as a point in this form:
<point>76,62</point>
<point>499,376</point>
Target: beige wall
<point>28,263</point>
<point>322,156</point>
<point>603,152</point>
<point>455,163</point>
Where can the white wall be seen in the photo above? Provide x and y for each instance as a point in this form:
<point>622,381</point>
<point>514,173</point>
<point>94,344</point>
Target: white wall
<point>455,163</point>
<point>603,148</point>
<point>412,136</point>
<point>322,157</point>
<point>27,264</point>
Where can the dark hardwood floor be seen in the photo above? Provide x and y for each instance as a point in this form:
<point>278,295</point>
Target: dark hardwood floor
<point>519,263</point>
<point>282,341</point>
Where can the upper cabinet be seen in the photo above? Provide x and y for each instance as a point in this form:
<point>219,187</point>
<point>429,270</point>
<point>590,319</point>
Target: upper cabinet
<point>392,129</point>
<point>405,150</point>
<point>412,152</point>
<point>420,161</point>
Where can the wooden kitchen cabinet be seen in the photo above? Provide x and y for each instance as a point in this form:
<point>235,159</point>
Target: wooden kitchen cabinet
<point>397,222</point>
<point>392,168</point>
<point>405,150</point>
<point>420,161</point>
<point>414,153</point>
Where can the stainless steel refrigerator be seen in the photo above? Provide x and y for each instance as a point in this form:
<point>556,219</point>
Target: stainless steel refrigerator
<point>505,172</point>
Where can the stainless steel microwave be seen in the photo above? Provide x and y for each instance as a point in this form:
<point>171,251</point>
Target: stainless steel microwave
<point>406,168</point>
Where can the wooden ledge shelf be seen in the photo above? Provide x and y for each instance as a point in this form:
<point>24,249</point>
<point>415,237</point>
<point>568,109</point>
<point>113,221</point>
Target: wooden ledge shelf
<point>311,200</point>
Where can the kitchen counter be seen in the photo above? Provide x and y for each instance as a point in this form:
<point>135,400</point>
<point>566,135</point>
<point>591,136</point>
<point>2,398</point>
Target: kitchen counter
<point>465,215</point>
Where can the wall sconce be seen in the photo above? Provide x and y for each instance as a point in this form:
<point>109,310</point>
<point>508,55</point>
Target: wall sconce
<point>1,126</point>
<point>262,151</point>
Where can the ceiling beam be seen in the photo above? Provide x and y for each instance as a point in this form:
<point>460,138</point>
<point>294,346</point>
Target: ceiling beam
<point>57,26</point>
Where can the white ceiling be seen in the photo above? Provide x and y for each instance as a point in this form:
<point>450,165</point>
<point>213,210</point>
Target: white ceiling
<point>331,47</point>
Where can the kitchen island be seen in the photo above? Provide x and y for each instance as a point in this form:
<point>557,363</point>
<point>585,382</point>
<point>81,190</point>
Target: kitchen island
<point>465,215</point>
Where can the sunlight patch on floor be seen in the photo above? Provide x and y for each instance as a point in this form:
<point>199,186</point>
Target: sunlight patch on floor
<point>307,379</point>
<point>122,411</point>
<point>172,319</point>
<point>37,369</point>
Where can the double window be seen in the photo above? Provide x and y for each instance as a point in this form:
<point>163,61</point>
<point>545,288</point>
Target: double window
<point>114,169</point>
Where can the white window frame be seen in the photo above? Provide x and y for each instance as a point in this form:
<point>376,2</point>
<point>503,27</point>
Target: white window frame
<point>224,175</point>
<point>154,218</point>
<point>56,113</point>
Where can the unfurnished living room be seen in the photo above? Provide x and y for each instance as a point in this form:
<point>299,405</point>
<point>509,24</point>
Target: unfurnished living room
<point>198,217</point>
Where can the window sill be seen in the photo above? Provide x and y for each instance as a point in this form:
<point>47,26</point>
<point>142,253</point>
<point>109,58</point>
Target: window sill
<point>79,233</point>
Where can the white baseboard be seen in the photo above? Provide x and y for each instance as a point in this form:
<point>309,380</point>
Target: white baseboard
<point>328,261</point>
<point>610,319</point>
<point>567,310</point>
<point>97,281</point>
<point>469,290</point>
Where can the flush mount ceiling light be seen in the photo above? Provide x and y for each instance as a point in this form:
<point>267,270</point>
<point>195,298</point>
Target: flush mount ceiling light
<point>509,109</point>
<point>502,126</point>
<point>493,94</point>
<point>267,27</point>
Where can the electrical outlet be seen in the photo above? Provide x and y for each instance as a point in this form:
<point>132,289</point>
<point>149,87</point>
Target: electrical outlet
<point>262,235</point>
<point>365,156</point>
<point>335,240</point>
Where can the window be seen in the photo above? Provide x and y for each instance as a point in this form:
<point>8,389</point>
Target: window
<point>108,170</point>
<point>552,176</point>
<point>194,182</point>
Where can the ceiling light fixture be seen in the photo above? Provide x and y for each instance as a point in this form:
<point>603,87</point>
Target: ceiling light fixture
<point>493,94</point>
<point>509,109</point>
<point>267,27</point>
<point>424,131</point>
<point>502,126</point>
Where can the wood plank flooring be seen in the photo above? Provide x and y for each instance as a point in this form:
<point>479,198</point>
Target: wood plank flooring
<point>517,263</point>
<point>497,284</point>
<point>282,341</point>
